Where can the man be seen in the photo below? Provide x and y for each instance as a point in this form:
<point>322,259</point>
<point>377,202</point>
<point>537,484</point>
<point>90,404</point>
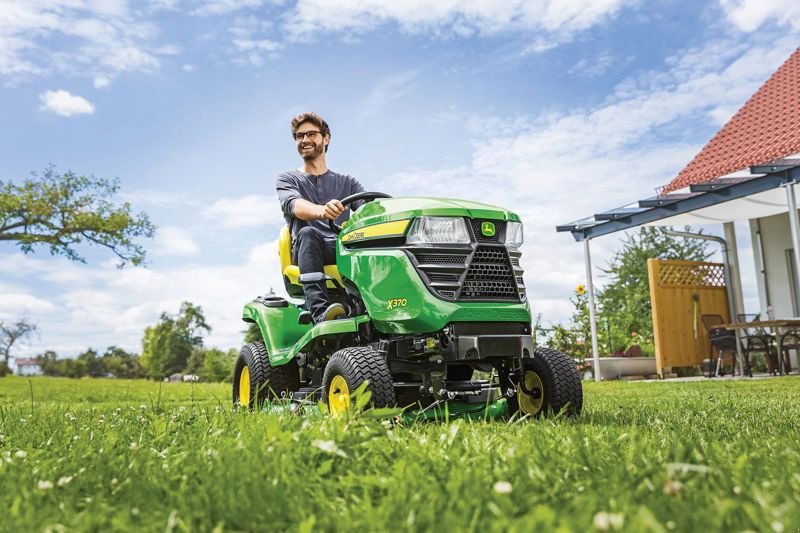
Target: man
<point>309,198</point>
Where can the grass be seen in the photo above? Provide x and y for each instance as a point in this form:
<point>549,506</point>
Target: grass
<point>119,455</point>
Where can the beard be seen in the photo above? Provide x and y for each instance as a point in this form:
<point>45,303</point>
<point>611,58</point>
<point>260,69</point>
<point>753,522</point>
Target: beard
<point>315,151</point>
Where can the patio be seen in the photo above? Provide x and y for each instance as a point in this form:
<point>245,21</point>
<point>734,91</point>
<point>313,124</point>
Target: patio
<point>747,172</point>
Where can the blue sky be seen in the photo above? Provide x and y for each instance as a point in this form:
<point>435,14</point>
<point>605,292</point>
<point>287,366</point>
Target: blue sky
<point>555,109</point>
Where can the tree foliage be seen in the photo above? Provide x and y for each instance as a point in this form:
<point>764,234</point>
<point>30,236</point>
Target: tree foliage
<point>625,300</point>
<point>12,333</point>
<point>114,362</point>
<point>168,346</point>
<point>64,210</point>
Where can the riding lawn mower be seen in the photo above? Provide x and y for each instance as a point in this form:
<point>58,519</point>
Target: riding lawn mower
<point>439,319</point>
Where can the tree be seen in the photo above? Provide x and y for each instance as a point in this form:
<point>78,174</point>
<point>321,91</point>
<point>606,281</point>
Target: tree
<point>625,301</point>
<point>167,346</point>
<point>217,365</point>
<point>121,364</point>
<point>13,333</point>
<point>63,210</point>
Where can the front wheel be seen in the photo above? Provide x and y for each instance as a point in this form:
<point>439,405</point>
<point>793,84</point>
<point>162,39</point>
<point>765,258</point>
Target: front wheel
<point>347,369</point>
<point>549,383</point>
<point>255,380</point>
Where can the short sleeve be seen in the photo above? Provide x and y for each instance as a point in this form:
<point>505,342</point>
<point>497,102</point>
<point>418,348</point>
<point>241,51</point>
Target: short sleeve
<point>288,192</point>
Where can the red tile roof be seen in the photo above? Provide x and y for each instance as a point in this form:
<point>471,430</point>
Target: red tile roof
<point>25,362</point>
<point>767,127</point>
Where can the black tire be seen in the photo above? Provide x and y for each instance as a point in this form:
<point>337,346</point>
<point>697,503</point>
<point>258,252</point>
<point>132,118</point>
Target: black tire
<point>355,366</point>
<point>561,389</point>
<point>265,381</point>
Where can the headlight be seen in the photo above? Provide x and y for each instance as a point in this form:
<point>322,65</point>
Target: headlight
<point>438,230</point>
<point>514,234</point>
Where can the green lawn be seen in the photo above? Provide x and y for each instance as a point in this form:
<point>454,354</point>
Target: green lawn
<point>122,455</point>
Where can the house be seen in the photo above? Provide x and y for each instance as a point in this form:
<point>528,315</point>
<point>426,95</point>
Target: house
<point>28,367</point>
<point>747,171</point>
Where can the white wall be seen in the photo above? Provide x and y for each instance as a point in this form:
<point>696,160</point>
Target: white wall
<point>776,238</point>
<point>29,370</point>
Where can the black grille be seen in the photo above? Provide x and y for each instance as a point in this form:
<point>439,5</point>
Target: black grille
<point>489,276</point>
<point>443,278</point>
<point>432,259</point>
<point>472,272</point>
<point>499,230</point>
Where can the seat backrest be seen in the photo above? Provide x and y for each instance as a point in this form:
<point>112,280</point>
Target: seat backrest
<point>285,247</point>
<point>712,321</point>
<point>291,273</point>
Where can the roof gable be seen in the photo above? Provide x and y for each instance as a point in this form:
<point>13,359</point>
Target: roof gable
<point>767,127</point>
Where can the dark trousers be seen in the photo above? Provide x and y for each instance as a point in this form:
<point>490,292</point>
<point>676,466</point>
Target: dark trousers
<point>313,249</point>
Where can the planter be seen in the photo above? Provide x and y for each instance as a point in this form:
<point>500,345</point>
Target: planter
<point>617,367</point>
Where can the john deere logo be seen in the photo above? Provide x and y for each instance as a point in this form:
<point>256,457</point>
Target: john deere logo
<point>487,228</point>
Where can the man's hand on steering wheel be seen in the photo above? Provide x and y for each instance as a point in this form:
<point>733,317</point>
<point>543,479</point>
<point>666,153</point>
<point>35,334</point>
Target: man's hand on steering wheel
<point>332,209</point>
<point>345,203</point>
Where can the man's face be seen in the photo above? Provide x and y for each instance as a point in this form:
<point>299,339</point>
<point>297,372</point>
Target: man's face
<point>310,141</point>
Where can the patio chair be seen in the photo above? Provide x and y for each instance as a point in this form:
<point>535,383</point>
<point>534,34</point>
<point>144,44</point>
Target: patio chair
<point>722,341</point>
<point>789,341</point>
<point>757,340</point>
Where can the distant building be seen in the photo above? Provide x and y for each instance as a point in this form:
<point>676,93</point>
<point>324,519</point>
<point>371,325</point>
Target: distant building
<point>28,367</point>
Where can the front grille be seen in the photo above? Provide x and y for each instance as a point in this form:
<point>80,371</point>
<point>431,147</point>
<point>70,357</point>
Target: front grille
<point>428,259</point>
<point>489,276</point>
<point>479,273</point>
<point>443,278</point>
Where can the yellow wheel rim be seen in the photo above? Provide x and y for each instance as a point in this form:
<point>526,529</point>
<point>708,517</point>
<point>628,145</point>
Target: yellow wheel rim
<point>244,387</point>
<point>338,396</point>
<point>530,402</point>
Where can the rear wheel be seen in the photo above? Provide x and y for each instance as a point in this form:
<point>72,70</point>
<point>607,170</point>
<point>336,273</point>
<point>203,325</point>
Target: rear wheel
<point>549,384</point>
<point>347,369</point>
<point>255,380</point>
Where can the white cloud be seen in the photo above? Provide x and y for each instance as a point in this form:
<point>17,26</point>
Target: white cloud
<point>388,90</point>
<point>96,39</point>
<point>101,82</point>
<point>112,307</point>
<point>460,17</point>
<point>173,240</point>
<point>749,15</point>
<point>15,305</point>
<point>252,211</point>
<point>559,167</point>
<point>65,104</point>
<point>223,7</point>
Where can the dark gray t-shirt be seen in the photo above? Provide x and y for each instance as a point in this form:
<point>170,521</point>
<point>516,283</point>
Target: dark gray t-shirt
<point>294,184</point>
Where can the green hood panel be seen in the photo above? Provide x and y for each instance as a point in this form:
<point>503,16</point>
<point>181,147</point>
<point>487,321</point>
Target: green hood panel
<point>389,209</point>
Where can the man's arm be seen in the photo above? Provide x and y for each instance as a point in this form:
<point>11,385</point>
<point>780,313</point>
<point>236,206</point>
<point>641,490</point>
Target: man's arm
<point>305,210</point>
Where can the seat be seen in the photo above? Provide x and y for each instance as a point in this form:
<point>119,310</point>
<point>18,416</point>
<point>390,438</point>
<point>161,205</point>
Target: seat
<point>756,340</point>
<point>723,342</point>
<point>790,340</point>
<point>291,272</point>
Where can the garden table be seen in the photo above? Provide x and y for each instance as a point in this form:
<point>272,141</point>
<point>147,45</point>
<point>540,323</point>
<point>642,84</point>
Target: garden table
<point>775,326</point>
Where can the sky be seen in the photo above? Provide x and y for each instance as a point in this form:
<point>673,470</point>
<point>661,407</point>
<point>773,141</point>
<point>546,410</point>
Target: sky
<point>554,109</point>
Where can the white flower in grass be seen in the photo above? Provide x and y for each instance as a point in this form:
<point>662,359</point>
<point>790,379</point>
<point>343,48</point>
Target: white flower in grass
<point>20,454</point>
<point>143,408</point>
<point>502,487</point>
<point>605,521</point>
<point>777,527</point>
<point>63,480</point>
<point>45,485</point>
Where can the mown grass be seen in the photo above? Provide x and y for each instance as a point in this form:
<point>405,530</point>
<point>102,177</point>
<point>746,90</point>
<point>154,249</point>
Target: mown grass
<point>117,455</point>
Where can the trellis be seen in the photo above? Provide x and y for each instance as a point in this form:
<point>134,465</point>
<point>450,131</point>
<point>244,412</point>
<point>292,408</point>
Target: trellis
<point>680,293</point>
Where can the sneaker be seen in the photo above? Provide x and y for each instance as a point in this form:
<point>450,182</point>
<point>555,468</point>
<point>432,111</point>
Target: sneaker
<point>333,312</point>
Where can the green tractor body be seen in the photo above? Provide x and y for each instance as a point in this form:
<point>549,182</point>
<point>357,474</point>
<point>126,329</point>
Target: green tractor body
<point>435,294</point>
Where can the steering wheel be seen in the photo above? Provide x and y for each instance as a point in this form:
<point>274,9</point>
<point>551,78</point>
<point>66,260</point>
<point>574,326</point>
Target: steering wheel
<point>366,196</point>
